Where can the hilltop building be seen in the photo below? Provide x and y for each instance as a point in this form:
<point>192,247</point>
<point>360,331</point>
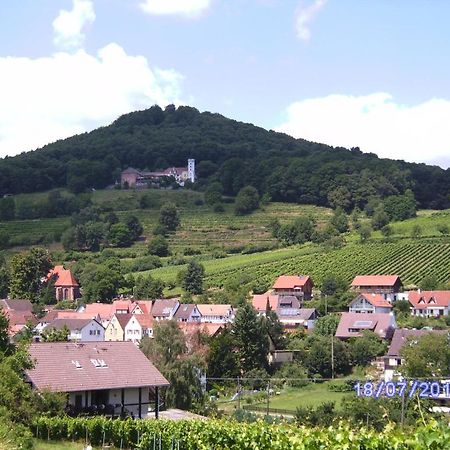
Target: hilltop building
<point>138,178</point>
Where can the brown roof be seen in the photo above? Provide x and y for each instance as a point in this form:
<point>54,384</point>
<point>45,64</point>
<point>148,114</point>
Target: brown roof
<point>429,299</point>
<point>126,366</point>
<point>296,314</point>
<point>162,308</point>
<point>401,335</point>
<point>184,311</point>
<point>381,324</point>
<point>374,299</point>
<point>375,280</point>
<point>16,304</point>
<point>214,310</point>
<point>123,319</point>
<point>291,281</point>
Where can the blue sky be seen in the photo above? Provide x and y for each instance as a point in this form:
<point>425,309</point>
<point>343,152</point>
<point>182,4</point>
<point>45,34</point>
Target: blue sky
<point>367,73</point>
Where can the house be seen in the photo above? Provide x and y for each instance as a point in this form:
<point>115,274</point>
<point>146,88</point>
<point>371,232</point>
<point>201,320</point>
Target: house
<point>139,178</point>
<point>210,329</point>
<point>80,330</point>
<point>353,324</point>
<point>165,309</point>
<point>287,308</point>
<point>429,303</point>
<point>387,285</point>
<point>187,312</point>
<point>299,286</point>
<point>393,359</point>
<point>112,377</point>
<point>370,303</point>
<point>138,326</point>
<point>107,310</point>
<point>295,318</point>
<point>63,314</point>
<point>115,330</point>
<point>66,286</point>
<point>216,313</point>
<point>19,313</point>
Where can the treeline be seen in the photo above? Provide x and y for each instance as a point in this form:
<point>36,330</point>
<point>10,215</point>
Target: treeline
<point>228,152</point>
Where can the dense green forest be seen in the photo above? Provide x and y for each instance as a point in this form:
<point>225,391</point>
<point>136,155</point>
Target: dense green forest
<point>232,153</point>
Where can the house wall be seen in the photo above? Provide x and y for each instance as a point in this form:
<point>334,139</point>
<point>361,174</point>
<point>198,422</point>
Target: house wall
<point>130,178</point>
<point>93,332</point>
<point>131,395</point>
<point>133,331</point>
<point>114,331</point>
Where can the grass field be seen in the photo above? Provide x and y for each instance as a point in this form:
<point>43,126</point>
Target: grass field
<point>292,398</point>
<point>62,445</point>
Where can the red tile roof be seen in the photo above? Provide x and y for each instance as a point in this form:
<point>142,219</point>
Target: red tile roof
<point>401,335</point>
<point>376,300</point>
<point>381,324</point>
<point>291,281</point>
<point>126,367</point>
<point>211,329</point>
<point>260,301</point>
<point>215,310</point>
<point>375,280</point>
<point>429,299</point>
<point>63,277</point>
<point>16,304</point>
<point>145,320</point>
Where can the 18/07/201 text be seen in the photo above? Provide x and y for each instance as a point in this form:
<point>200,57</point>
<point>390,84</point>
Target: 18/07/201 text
<point>424,389</point>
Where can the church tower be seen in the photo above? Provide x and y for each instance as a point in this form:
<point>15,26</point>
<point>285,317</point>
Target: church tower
<point>191,170</point>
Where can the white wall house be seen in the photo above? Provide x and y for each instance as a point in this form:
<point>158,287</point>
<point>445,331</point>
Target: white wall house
<point>216,313</point>
<point>80,330</point>
<point>370,303</point>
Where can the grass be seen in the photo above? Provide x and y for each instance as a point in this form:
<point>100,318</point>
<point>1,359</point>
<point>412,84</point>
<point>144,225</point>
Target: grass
<point>62,445</point>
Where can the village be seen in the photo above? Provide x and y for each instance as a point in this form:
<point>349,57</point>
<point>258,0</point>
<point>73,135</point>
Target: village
<point>91,352</point>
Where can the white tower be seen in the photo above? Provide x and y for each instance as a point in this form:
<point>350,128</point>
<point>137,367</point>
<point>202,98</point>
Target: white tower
<point>191,170</point>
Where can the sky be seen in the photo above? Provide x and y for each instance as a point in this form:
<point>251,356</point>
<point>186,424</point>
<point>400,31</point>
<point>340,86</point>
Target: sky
<point>372,74</point>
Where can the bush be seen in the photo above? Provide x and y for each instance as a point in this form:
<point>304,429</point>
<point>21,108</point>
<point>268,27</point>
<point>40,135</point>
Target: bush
<point>158,246</point>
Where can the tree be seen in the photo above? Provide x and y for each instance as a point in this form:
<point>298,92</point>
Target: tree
<point>318,360</point>
<point>7,208</point>
<point>4,281</point>
<point>333,284</point>
<point>28,269</point>
<point>416,231</point>
<point>340,198</point>
<point>147,288</point>
<point>168,217</point>
<point>5,345</point>
<point>364,233</point>
<point>250,339</point>
<point>101,282</point>
<point>365,348</point>
<point>400,207</point>
<point>158,246</point>
<point>166,346</point>
<point>387,231</point>
<point>222,358</point>
<point>340,220</point>
<point>429,283</point>
<point>55,335</point>
<point>192,278</point>
<point>326,325</point>
<point>134,226</point>
<point>444,229</point>
<point>213,195</point>
<point>380,218</point>
<point>120,235</point>
<point>427,356</point>
<point>275,328</point>
<point>247,200</point>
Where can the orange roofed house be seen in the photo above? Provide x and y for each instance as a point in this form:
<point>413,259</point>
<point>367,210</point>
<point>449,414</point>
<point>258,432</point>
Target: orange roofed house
<point>387,285</point>
<point>299,286</point>
<point>66,286</point>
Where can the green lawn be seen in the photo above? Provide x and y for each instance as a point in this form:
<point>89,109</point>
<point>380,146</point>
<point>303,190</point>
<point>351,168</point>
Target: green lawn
<point>62,445</point>
<point>311,395</point>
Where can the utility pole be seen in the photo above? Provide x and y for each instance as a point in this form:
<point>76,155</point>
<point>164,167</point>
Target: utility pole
<point>332,356</point>
<point>268,398</point>
<point>239,392</point>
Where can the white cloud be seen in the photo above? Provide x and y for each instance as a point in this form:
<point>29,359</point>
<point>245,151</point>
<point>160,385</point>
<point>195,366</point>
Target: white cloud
<point>304,15</point>
<point>375,123</point>
<point>49,98</point>
<point>188,8</point>
<point>69,25</point>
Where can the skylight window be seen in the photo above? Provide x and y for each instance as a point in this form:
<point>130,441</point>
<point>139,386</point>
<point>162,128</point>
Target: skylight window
<point>77,364</point>
<point>363,323</point>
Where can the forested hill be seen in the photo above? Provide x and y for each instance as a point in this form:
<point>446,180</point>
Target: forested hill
<point>230,152</point>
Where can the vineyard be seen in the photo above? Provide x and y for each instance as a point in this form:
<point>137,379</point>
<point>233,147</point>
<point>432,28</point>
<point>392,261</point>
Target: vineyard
<point>219,434</point>
<point>413,261</point>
